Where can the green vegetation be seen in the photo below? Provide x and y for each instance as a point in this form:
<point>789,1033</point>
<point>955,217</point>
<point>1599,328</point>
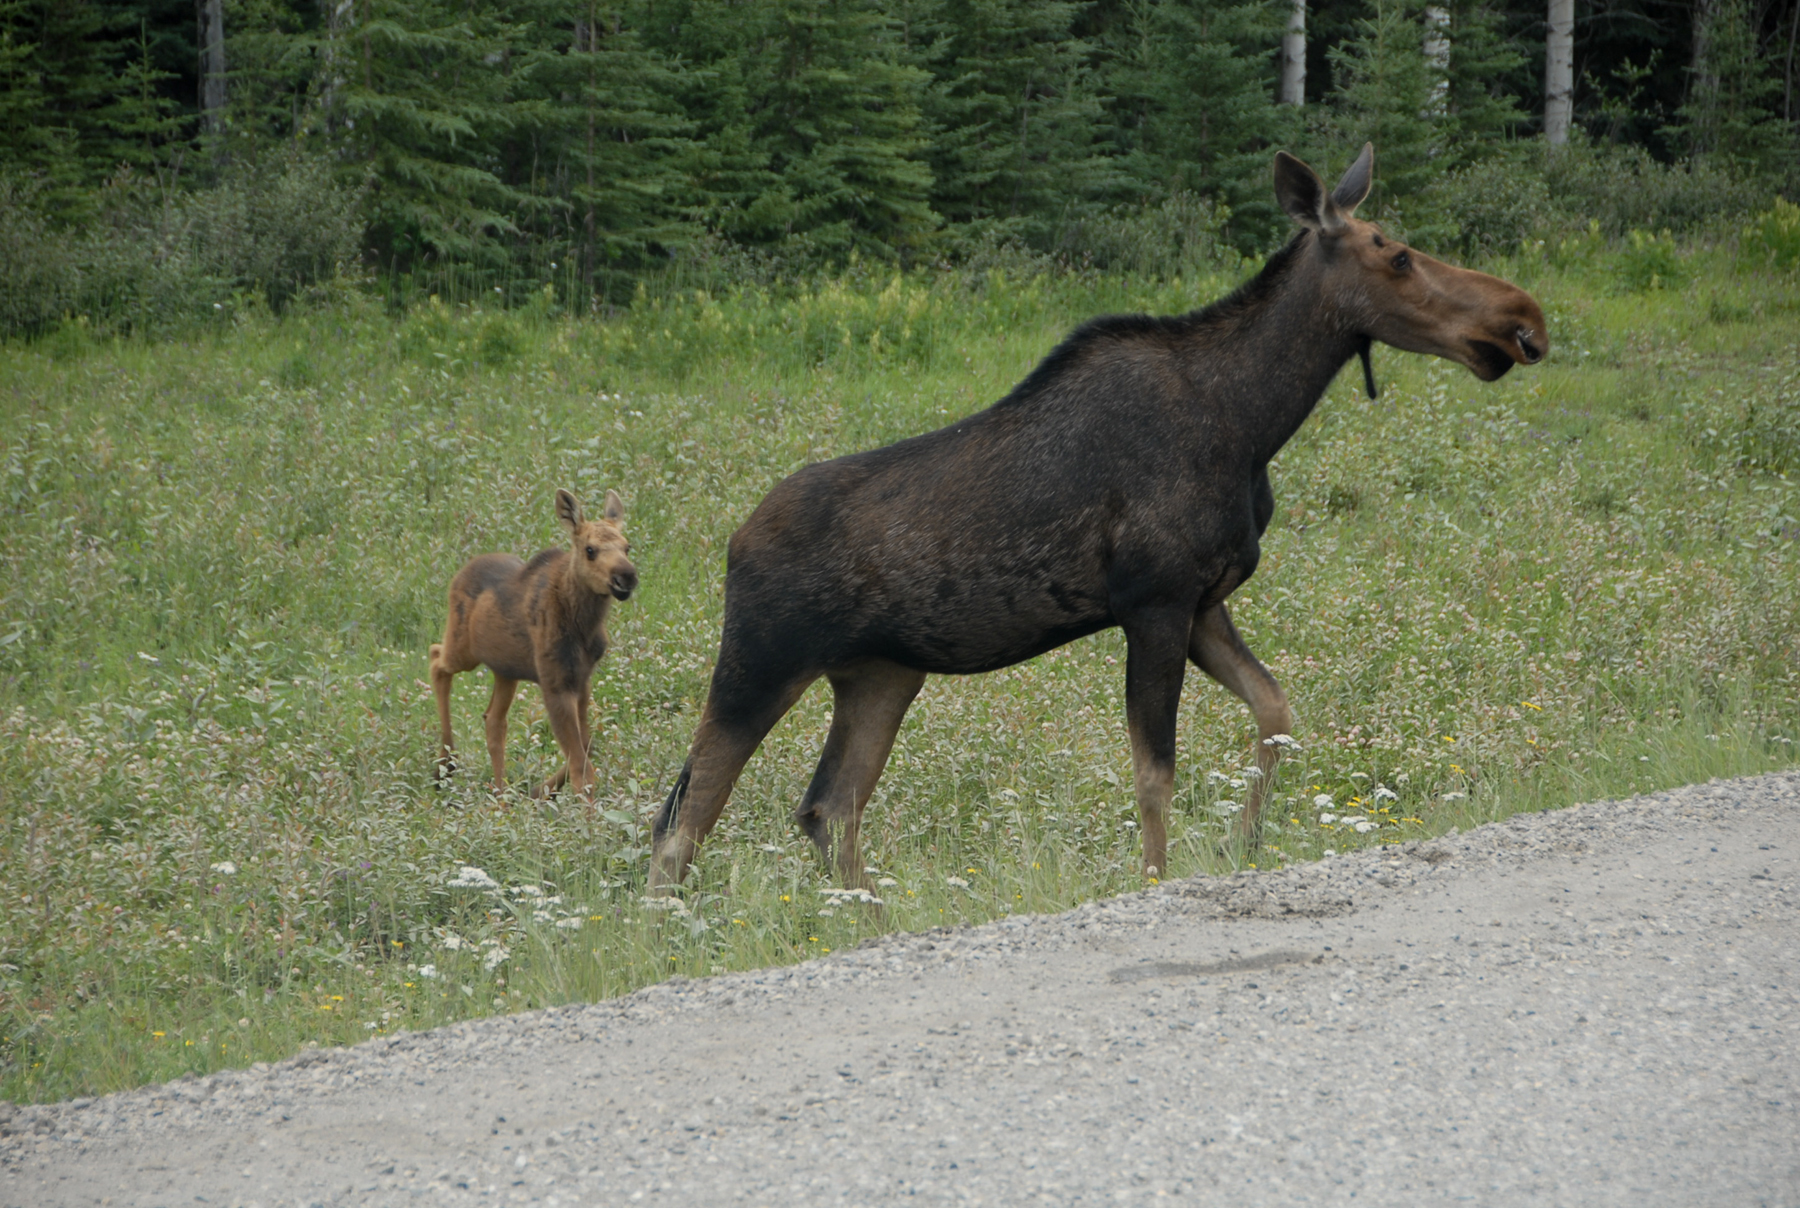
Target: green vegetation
<point>226,557</point>
<point>149,163</point>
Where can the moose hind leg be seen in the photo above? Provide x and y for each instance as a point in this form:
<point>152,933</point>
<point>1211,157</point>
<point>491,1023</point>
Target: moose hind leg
<point>441,676</point>
<point>494,721</point>
<point>868,703</point>
<point>736,719</point>
<point>1216,648</point>
<point>1155,664</point>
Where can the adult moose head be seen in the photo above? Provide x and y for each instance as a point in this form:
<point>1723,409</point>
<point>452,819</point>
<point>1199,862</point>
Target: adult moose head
<point>1124,482</point>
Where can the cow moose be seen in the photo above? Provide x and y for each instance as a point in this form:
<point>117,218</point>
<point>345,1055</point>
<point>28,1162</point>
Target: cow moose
<point>543,621</point>
<point>1124,482</point>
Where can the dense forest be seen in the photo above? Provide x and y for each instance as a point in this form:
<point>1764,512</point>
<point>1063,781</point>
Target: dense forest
<point>149,145</point>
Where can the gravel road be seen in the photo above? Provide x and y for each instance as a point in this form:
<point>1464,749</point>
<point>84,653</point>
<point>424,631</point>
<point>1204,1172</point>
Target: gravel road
<point>1592,1006</point>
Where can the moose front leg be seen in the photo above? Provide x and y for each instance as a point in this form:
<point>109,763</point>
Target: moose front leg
<point>1216,649</point>
<point>565,711</point>
<point>1155,662</point>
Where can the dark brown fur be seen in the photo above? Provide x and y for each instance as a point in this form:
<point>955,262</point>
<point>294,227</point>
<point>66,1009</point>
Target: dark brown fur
<point>1123,482</point>
<point>543,621</point>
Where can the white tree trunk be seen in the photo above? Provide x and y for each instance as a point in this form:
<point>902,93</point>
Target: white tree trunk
<point>1437,57</point>
<point>1293,57</point>
<point>1559,71</point>
<point>212,64</point>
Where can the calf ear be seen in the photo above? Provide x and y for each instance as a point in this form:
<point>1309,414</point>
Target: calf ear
<point>1354,186</point>
<point>568,510</point>
<point>615,507</point>
<point>1302,194</point>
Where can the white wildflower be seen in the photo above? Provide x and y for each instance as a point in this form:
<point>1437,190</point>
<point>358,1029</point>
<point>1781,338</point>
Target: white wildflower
<point>956,882</point>
<point>470,877</point>
<point>1217,777</point>
<point>496,956</point>
<point>428,972</point>
<point>1225,809</point>
<point>542,916</point>
<point>826,912</point>
<point>1330,851</point>
<point>1236,782</point>
<point>886,882</point>
<point>1383,793</point>
<point>225,868</point>
<point>1364,826</point>
<point>1323,801</point>
<point>675,906</point>
<point>1454,796</point>
<point>452,941</point>
<point>1284,741</point>
<point>855,895</point>
<point>1327,819</point>
<point>568,924</point>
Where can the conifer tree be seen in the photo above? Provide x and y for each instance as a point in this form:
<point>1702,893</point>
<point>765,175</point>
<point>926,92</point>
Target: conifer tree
<point>1019,114</point>
<point>1384,93</point>
<point>1203,74</point>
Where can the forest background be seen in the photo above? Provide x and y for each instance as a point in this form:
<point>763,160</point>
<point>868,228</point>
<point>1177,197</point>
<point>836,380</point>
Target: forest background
<point>162,161</point>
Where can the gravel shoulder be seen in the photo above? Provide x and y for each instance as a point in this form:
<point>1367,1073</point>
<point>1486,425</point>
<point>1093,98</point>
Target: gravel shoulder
<point>1596,1005</point>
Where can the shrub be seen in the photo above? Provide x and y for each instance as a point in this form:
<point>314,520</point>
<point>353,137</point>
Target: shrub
<point>1649,262</point>
<point>156,256</point>
<point>1776,235</point>
<point>1623,188</point>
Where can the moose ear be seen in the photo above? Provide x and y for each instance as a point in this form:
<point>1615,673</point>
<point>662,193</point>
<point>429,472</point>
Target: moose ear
<point>1302,194</point>
<point>1354,186</point>
<point>568,510</point>
<point>615,507</point>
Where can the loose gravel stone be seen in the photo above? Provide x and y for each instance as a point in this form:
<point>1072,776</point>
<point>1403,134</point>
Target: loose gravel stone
<point>1593,1005</point>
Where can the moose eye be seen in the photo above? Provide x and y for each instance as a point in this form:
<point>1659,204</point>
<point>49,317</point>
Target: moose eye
<point>592,553</point>
<point>1402,262</point>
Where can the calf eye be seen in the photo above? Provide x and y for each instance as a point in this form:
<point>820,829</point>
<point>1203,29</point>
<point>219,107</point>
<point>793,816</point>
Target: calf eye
<point>1402,262</point>
<point>592,553</point>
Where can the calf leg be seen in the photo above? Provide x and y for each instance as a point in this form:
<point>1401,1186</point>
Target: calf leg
<point>561,778</point>
<point>441,676</point>
<point>1155,663</point>
<point>1216,648</point>
<point>567,721</point>
<point>494,720</point>
<point>868,703</point>
<point>739,713</point>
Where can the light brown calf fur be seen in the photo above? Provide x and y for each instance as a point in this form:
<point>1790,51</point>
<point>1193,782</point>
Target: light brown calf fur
<point>543,621</point>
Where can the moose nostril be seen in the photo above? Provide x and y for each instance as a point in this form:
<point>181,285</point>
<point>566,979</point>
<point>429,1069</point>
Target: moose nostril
<point>1528,346</point>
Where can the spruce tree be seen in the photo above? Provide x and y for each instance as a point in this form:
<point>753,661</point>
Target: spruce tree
<point>1019,115</point>
<point>1201,76</point>
<point>1386,92</point>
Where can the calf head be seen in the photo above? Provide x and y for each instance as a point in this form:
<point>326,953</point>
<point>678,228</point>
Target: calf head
<point>597,548</point>
<point>1390,292</point>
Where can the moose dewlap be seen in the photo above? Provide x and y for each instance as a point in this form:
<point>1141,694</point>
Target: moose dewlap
<point>543,621</point>
<point>1124,482</point>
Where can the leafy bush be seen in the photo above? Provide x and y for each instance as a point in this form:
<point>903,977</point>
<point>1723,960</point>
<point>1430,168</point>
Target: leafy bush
<point>37,279</point>
<point>157,256</point>
<point>1649,262</point>
<point>1623,188</point>
<point>1490,206</point>
<point>1776,234</point>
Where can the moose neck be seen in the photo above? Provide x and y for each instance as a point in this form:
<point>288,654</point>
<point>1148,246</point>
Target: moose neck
<point>1282,339</point>
<point>587,609</point>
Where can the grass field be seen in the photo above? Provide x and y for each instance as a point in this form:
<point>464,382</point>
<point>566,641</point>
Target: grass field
<point>225,557</point>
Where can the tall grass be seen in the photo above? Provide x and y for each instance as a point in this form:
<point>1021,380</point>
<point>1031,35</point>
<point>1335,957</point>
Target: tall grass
<point>225,559</point>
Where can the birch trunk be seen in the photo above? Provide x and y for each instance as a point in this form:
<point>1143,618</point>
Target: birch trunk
<point>212,64</point>
<point>1559,71</point>
<point>1293,57</point>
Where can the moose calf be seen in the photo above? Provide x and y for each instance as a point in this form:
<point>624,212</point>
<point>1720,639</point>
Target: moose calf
<point>543,621</point>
